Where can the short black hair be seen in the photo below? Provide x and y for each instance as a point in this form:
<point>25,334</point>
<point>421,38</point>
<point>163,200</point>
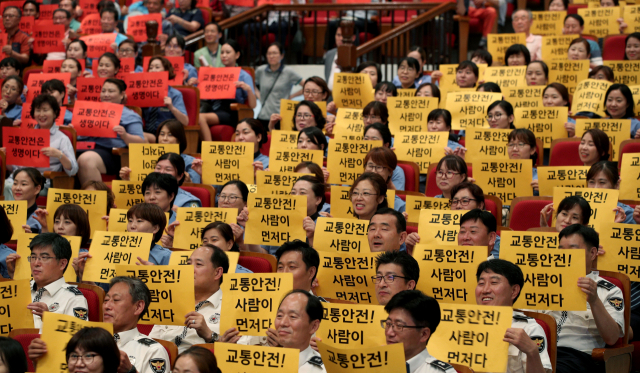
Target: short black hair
<point>218,258</point>
<point>588,234</point>
<point>485,217</point>
<point>468,64</point>
<point>401,222</point>
<point>310,256</point>
<point>366,64</point>
<point>490,87</point>
<point>177,162</point>
<point>569,202</point>
<point>96,340</point>
<point>314,308</point>
<point>501,267</point>
<point>32,2</point>
<point>54,85</point>
<point>484,54</point>
<point>12,355</point>
<point>382,129</point>
<point>517,49</point>
<point>66,12</point>
<point>410,266</point>
<point>45,98</point>
<point>110,10</point>
<point>424,310</point>
<point>577,17</point>
<point>59,245</point>
<point>162,181</point>
<point>242,187</point>
<point>13,7</point>
<point>11,62</point>
<point>7,231</point>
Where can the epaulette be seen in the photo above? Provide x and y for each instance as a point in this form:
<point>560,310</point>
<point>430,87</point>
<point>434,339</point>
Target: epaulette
<point>74,290</point>
<point>147,341</point>
<point>606,284</point>
<point>521,317</point>
<point>316,360</point>
<point>441,365</point>
<point>321,299</point>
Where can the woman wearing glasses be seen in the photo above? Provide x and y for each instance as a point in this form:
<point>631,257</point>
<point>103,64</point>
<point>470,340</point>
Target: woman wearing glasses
<point>408,72</point>
<point>368,194</point>
<point>92,350</point>
<point>522,145</point>
<point>175,48</point>
<point>12,88</point>
<point>383,162</point>
<point>451,171</point>
<point>306,114</point>
<point>379,131</point>
<point>500,115</point>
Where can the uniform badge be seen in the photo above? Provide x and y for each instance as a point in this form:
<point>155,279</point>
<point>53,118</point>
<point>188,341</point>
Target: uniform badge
<point>158,365</point>
<point>132,360</point>
<point>539,341</point>
<point>441,365</point>
<point>80,313</point>
<point>215,318</point>
<point>54,307</point>
<point>617,303</point>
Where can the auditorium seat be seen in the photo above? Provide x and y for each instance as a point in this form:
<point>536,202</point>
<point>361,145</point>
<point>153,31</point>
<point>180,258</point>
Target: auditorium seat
<point>191,98</point>
<point>208,346</point>
<point>411,175</point>
<point>493,204</point>
<point>402,194</point>
<point>628,146</point>
<point>564,152</point>
<point>145,329</point>
<point>221,132</point>
<point>206,193</point>
<point>258,262</point>
<point>95,297</point>
<point>525,212</point>
<point>550,327</point>
<point>24,337</point>
<point>613,47</point>
<point>171,348</point>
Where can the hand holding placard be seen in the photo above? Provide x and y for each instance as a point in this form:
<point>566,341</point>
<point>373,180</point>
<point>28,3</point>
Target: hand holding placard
<point>24,146</point>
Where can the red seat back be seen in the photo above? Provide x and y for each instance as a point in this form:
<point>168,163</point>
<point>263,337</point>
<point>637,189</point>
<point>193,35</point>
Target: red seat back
<point>410,177</point>
<point>432,189</point>
<point>490,206</point>
<point>201,193</point>
<point>145,329</point>
<point>573,8</point>
<point>628,147</point>
<point>565,153</point>
<point>255,264</point>
<point>94,304</point>
<point>191,98</point>
<point>327,196</point>
<point>221,132</point>
<point>613,47</point>
<point>25,341</point>
<point>412,229</point>
<point>264,149</point>
<point>526,214</point>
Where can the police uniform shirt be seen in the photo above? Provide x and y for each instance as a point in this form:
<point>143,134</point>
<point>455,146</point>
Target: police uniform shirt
<point>147,355</point>
<point>60,298</point>
<point>578,330</point>
<point>517,362</point>
<point>310,362</point>
<point>425,363</point>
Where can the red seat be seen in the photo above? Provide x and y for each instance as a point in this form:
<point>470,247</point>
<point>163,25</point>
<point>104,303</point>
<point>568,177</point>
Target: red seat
<point>549,325</point>
<point>12,246</point>
<point>327,196</point>
<point>30,70</point>
<point>41,200</point>
<point>613,47</point>
<point>264,149</point>
<point>206,193</point>
<point>494,206</point>
<point>94,303</point>
<point>255,264</point>
<point>525,212</point>
<point>432,189</point>
<point>564,152</point>
<point>191,98</point>
<point>24,337</point>
<point>573,8</point>
<point>221,132</point>
<point>628,146</point>
<point>399,17</point>
<point>411,176</point>
<point>412,229</point>
<point>145,329</point>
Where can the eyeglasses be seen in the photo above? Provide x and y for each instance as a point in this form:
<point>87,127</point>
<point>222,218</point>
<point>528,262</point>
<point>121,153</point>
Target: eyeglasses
<point>386,324</point>
<point>519,145</point>
<point>492,117</point>
<point>462,201</point>
<point>11,16</point>
<point>304,116</point>
<point>387,279</point>
<point>309,92</point>
<point>447,175</point>
<point>63,18</point>
<point>224,197</point>
<point>126,51</point>
<point>406,68</point>
<point>373,167</point>
<point>370,117</point>
<point>42,259</point>
<point>86,358</point>
<point>363,195</point>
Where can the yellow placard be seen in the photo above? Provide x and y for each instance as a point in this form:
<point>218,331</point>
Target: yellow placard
<point>497,45</point>
<point>286,160</point>
<point>469,109</point>
<point>275,220</point>
<point>109,249</point>
<point>347,276</point>
<point>630,176</point>
<point>94,202</point>
<point>375,359</point>
<point>352,325</point>
<point>589,96</point>
<point>341,235</point>
<point>14,314</point>
<point>524,97</point>
<point>622,253</point>
<point>23,269</point>
<point>17,213</point>
<point>345,161</point>
<point>349,120</point>
<point>127,193</point>
<point>617,130</point>
<point>625,72</point>
<point>57,330</point>
<point>193,220</point>
<point>506,76</point>
<point>143,158</point>
<point>548,23</point>
<point>409,114</point>
<point>505,179</point>
<point>529,240</point>
<point>287,109</point>
<point>550,277</point>
<point>341,206</point>
<point>283,140</point>
<point>272,182</point>
<point>172,292</point>
<point>406,92</point>
<point>569,73</point>
<point>234,357</point>
<point>635,91</point>
<point>561,176</point>
<point>601,22</point>
<point>449,272</point>
<point>252,300</point>
<point>225,161</point>
<point>423,148</point>
<point>601,201</point>
<point>546,123</point>
<point>556,47</point>
<point>487,143</point>
<point>486,352</point>
<point>417,203</point>
<point>353,91</point>
<point>439,227</point>
<point>631,15</point>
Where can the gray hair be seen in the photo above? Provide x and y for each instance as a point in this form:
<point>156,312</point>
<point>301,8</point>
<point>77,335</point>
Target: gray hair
<point>529,13</point>
<point>138,290</point>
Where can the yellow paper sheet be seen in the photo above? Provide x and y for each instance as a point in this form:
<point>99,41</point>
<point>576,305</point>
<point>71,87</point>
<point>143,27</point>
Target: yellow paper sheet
<point>94,202</point>
<point>448,273</point>
<point>347,276</point>
<point>353,91</point>
<point>589,96</point>
<point>352,325</point>
<point>192,220</point>
<point>409,114</point>
<point>109,249</point>
<point>349,121</point>
<point>287,160</point>
<point>127,193</point>
<point>280,183</point>
<point>14,314</point>
<point>529,240</point>
<point>275,220</point>
<point>622,253</point>
<point>439,227</point>
<point>341,235</point>
<point>341,206</point>
<point>548,23</point>
<point>287,109</point>
<point>601,201</point>
<point>417,203</point>
<point>635,91</point>
<point>406,92</point>
<point>556,47</point>
<point>423,148</point>
<point>506,76</point>
<point>524,97</point>
<point>561,176</point>
<point>618,130</point>
<point>180,257</point>
<point>546,123</point>
<point>143,158</point>
<point>625,72</point>
<point>497,45</point>
<point>469,109</point>
<point>601,22</point>
<point>376,359</point>
<point>550,277</point>
<point>232,357</point>
<point>172,292</point>
<point>345,161</point>
<point>251,300</point>
<point>226,161</point>
<point>17,213</point>
<point>631,15</point>
<point>281,140</point>
<point>630,176</point>
<point>487,143</point>
<point>505,179</point>
<point>569,73</point>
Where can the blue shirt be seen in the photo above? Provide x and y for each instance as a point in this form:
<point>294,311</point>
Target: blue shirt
<point>241,269</point>
<point>420,81</point>
<point>629,211</point>
<point>159,255</point>
<point>139,69</point>
<point>535,177</point>
<point>68,116</point>
<point>193,73</point>
<point>195,177</point>
<point>163,112</point>
<point>262,158</point>
<point>241,95</point>
<point>186,199</point>
<point>32,222</point>
<point>453,145</point>
<point>189,16</point>
<point>4,252</point>
<point>131,122</point>
<point>399,205</point>
<point>13,112</point>
<point>398,179</point>
<point>496,248</point>
<point>635,126</point>
<point>172,217</point>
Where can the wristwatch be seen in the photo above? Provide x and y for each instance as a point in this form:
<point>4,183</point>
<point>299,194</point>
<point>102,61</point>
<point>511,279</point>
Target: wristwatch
<point>214,337</point>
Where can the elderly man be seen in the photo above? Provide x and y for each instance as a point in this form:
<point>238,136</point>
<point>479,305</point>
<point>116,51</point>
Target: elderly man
<point>521,21</point>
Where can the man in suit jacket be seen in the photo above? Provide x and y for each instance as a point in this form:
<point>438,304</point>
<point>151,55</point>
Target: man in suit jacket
<point>330,59</point>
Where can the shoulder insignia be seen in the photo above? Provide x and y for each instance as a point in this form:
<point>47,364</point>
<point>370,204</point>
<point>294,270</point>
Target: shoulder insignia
<point>158,365</point>
<point>606,284</point>
<point>441,365</point>
<point>74,290</point>
<point>539,341</point>
<point>193,204</point>
<point>81,313</point>
<point>316,360</point>
<point>321,299</point>
<point>617,303</point>
<point>521,317</point>
<point>147,342</point>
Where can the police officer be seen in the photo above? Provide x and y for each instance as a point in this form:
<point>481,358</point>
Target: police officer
<point>499,284</point>
<point>50,255</point>
<point>395,271</point>
<point>301,260</point>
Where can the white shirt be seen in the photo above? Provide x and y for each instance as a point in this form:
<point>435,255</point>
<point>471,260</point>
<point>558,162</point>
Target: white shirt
<point>147,355</point>
<point>310,362</point>
<point>425,363</point>
<point>517,362</point>
<point>334,69</point>
<point>60,298</point>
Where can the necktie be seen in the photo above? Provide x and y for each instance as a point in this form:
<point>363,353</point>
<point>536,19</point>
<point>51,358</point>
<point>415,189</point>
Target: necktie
<point>153,119</point>
<point>408,368</point>
<point>38,295</point>
<point>179,338</point>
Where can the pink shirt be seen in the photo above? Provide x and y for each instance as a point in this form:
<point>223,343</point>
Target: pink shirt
<point>534,45</point>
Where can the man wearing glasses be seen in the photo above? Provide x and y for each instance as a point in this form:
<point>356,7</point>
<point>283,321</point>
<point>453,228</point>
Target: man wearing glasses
<point>413,317</point>
<point>50,255</point>
<point>17,40</point>
<point>396,271</point>
<point>62,17</point>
